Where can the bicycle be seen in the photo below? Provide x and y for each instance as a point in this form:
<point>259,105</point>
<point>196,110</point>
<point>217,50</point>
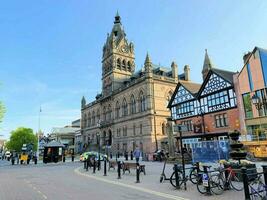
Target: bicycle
<point>222,183</point>
<point>258,190</point>
<point>193,175</point>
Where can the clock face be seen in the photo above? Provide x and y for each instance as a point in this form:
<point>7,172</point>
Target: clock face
<point>124,49</point>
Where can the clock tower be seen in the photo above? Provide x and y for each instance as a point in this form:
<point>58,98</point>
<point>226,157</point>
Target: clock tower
<point>118,59</point>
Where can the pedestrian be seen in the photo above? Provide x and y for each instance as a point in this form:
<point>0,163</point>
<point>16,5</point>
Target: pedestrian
<point>137,154</point>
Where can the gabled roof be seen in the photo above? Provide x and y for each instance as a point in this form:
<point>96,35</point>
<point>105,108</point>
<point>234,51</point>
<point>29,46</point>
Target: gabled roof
<point>226,75</point>
<point>189,86</point>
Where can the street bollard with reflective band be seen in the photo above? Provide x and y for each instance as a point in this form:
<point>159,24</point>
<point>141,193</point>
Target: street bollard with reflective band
<point>264,168</point>
<point>105,167</point>
<point>119,170</point>
<point>245,182</point>
<point>137,173</point>
<point>64,158</point>
<point>72,158</point>
<point>94,166</point>
<point>176,176</point>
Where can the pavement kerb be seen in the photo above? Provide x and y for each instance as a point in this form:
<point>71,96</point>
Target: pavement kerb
<point>160,194</point>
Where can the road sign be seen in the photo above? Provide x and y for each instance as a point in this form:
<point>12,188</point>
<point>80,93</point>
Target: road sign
<point>205,180</point>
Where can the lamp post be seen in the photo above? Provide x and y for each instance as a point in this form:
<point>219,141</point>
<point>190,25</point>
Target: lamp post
<point>259,104</point>
<point>201,113</point>
<point>98,142</point>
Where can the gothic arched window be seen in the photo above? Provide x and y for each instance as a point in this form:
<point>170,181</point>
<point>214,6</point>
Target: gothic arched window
<point>93,118</point>
<point>163,127</point>
<point>124,65</point>
<point>109,112</point>
<point>124,108</point>
<point>117,110</point>
<point>129,66</point>
<point>89,120</point>
<point>133,105</point>
<point>84,121</point>
<point>119,63</point>
<point>168,98</point>
<point>104,114</point>
<point>98,115</point>
<point>142,102</point>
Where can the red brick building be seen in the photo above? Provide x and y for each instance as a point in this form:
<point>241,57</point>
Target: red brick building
<point>208,110</point>
<point>252,82</point>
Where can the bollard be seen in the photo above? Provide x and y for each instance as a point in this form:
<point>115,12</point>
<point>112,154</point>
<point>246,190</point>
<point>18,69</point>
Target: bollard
<point>131,155</point>
<point>176,176</point>
<point>72,158</point>
<point>205,169</point>
<point>35,160</point>
<point>64,158</point>
<point>226,174</point>
<point>119,170</point>
<point>137,173</point>
<point>105,167</point>
<point>264,168</point>
<point>245,182</point>
<point>13,161</point>
<point>84,164</point>
<point>126,156</point>
<point>94,166</point>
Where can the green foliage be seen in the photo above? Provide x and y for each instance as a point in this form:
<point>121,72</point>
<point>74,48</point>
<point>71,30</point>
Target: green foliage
<point>21,136</point>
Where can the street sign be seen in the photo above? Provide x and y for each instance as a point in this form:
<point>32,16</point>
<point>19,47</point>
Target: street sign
<point>178,127</point>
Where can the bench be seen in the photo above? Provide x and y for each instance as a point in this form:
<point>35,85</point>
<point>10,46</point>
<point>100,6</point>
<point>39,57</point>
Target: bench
<point>126,166</point>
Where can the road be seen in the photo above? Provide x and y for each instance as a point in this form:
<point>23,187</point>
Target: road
<point>59,182</point>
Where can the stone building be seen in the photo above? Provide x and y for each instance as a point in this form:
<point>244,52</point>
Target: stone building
<point>208,110</point>
<point>132,107</point>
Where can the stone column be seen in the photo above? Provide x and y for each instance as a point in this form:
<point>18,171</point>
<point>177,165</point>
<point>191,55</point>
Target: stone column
<point>170,138</point>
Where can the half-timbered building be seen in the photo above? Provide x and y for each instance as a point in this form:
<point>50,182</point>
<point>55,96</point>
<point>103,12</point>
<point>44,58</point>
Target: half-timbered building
<point>208,110</point>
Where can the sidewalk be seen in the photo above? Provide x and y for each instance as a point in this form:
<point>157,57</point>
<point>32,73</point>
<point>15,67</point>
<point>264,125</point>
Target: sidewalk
<point>151,182</point>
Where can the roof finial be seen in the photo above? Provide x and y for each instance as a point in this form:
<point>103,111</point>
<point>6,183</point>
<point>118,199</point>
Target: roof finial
<point>117,18</point>
<point>148,60</point>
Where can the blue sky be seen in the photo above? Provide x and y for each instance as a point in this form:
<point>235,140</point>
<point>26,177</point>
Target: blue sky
<point>50,51</point>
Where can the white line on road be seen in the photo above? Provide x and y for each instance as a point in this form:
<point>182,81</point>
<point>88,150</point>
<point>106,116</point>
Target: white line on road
<point>34,188</point>
<point>160,194</point>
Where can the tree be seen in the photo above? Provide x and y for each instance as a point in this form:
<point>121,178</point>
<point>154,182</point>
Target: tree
<point>21,136</point>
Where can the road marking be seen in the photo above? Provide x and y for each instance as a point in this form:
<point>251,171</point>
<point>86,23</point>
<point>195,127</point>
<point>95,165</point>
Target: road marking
<point>160,194</point>
<point>34,188</point>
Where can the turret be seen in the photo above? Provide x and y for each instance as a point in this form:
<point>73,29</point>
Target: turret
<point>187,72</point>
<point>148,65</point>
<point>207,65</point>
<point>83,102</point>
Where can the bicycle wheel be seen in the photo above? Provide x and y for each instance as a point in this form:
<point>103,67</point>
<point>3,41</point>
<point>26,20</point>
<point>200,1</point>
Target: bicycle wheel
<point>216,184</point>
<point>193,176</point>
<point>173,181</point>
<point>200,187</point>
<point>236,183</point>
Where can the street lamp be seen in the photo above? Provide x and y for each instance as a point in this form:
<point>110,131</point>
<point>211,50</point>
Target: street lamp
<point>98,142</point>
<point>259,104</point>
<point>201,113</point>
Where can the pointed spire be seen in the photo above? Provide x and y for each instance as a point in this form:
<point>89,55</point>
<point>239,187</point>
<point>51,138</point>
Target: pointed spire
<point>207,62</point>
<point>83,103</point>
<point>117,18</point>
<point>148,59</point>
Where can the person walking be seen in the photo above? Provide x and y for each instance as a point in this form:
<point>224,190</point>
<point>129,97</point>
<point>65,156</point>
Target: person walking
<point>137,154</point>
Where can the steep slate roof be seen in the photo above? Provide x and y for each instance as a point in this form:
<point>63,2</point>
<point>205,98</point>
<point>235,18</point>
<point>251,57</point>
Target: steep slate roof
<point>193,88</point>
<point>227,75</point>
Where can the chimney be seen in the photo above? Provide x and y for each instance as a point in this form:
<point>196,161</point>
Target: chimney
<point>187,72</point>
<point>174,71</point>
